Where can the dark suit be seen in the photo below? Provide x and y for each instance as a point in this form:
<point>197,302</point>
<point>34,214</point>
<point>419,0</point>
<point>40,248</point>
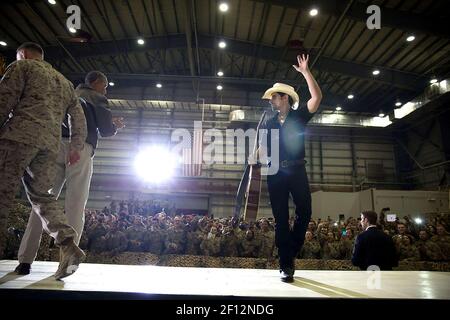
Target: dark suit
<point>374,247</point>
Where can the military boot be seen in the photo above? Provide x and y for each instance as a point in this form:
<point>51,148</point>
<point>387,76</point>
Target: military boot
<point>70,257</point>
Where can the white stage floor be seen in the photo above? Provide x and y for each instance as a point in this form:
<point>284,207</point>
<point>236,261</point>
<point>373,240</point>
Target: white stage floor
<point>253,283</point>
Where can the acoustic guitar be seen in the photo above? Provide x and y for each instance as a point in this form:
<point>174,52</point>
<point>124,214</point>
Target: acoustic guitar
<point>249,190</point>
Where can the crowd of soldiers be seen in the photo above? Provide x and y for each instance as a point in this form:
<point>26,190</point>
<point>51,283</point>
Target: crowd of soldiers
<point>335,240</point>
<point>125,227</point>
<point>181,234</point>
<point>141,207</point>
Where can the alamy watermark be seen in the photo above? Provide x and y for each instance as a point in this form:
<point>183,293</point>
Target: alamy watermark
<point>374,20</point>
<point>230,146</point>
<point>374,278</point>
<point>74,20</point>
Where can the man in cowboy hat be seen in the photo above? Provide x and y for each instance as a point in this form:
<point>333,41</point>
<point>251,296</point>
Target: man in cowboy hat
<point>290,121</point>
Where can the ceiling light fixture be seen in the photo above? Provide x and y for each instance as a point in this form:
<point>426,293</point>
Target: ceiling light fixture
<point>223,7</point>
<point>313,12</point>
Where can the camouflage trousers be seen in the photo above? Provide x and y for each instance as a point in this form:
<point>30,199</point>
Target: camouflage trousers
<point>37,168</point>
<point>77,179</point>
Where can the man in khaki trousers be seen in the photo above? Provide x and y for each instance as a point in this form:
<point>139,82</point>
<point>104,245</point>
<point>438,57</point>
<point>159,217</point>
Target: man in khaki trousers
<point>77,178</point>
<point>34,98</point>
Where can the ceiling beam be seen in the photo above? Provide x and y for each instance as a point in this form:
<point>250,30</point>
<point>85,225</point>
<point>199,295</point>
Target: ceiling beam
<point>396,19</point>
<point>392,18</point>
<point>395,78</point>
<point>251,84</point>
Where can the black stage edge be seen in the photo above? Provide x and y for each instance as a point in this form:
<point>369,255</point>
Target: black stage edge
<point>220,307</point>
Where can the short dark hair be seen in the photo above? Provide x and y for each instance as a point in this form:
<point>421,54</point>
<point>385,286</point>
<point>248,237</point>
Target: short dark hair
<point>371,216</point>
<point>93,76</point>
<point>31,46</point>
<point>291,101</point>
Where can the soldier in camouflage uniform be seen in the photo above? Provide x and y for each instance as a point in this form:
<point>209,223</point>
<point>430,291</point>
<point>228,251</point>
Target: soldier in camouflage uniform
<point>96,234</point>
<point>38,97</point>
<point>311,247</point>
<point>267,240</point>
<point>154,239</point>
<point>401,231</point>
<point>229,243</point>
<point>429,250</point>
<point>135,234</point>
<point>194,238</point>
<point>175,241</point>
<point>407,250</point>
<point>312,227</point>
<point>330,249</point>
<point>346,244</point>
<point>250,246</point>
<point>76,179</point>
<point>116,240</point>
<point>442,239</point>
<point>210,246</point>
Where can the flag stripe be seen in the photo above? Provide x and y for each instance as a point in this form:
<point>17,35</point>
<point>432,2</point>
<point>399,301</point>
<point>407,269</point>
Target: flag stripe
<point>192,156</point>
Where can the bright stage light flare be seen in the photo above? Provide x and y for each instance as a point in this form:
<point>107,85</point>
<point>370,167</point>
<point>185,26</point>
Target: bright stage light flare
<point>155,164</point>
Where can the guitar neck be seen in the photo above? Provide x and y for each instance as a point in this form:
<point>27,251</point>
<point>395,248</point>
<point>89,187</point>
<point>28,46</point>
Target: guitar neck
<point>255,145</point>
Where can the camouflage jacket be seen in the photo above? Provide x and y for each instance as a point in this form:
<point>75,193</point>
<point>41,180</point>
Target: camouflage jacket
<point>38,97</point>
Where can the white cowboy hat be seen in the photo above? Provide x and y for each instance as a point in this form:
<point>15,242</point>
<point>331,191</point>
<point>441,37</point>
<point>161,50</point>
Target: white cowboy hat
<point>284,88</point>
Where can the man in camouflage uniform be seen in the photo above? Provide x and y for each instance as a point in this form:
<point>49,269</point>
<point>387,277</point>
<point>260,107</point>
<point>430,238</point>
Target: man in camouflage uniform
<point>175,238</point>
<point>154,239</point>
<point>267,240</point>
<point>401,231</point>
<point>330,249</point>
<point>250,245</point>
<point>322,233</point>
<point>210,245</point>
<point>116,240</point>
<point>229,243</point>
<point>76,179</point>
<point>96,233</point>
<point>135,234</point>
<point>407,250</point>
<point>442,239</point>
<point>311,247</point>
<point>194,238</point>
<point>346,244</point>
<point>312,227</point>
<point>38,97</point>
<point>429,250</point>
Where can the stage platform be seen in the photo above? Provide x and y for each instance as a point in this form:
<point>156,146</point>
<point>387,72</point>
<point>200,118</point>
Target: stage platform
<point>93,281</point>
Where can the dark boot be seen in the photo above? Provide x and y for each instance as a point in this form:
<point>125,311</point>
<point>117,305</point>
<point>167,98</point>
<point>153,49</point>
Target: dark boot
<point>287,275</point>
<point>287,271</point>
<point>23,268</point>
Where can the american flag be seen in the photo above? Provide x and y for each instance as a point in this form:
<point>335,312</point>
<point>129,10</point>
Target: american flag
<point>193,156</point>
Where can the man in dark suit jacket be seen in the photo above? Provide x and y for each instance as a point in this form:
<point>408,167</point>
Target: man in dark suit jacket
<point>373,247</point>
